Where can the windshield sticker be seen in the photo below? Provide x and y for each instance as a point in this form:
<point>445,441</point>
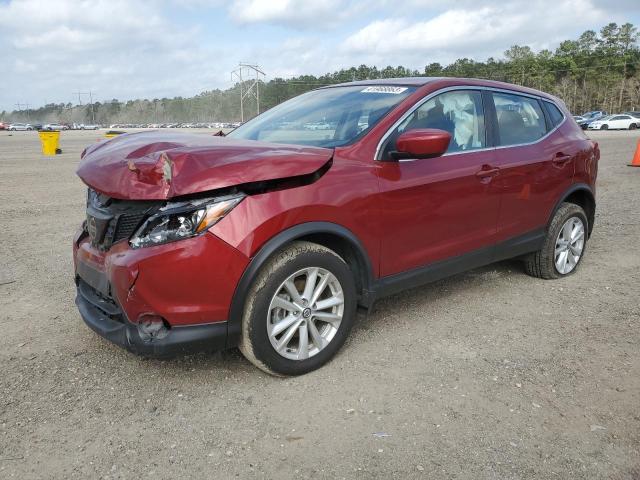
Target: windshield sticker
<point>385,89</point>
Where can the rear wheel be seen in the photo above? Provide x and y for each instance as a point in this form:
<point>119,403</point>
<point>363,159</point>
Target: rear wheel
<point>299,311</point>
<point>633,126</point>
<point>564,245</point>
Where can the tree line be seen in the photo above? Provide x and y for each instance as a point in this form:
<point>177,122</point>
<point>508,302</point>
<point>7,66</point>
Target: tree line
<point>597,71</point>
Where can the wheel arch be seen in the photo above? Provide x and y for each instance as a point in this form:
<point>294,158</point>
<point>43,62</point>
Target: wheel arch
<point>582,195</point>
<point>331,235</point>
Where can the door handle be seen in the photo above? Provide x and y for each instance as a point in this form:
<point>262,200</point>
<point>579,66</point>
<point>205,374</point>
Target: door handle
<point>560,158</point>
<point>487,171</point>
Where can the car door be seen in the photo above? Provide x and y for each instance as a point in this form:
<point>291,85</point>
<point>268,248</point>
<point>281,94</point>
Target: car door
<point>615,122</point>
<point>437,208</point>
<point>536,163</point>
<point>623,121</point>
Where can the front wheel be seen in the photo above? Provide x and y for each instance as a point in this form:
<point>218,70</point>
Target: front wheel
<point>299,310</point>
<point>564,244</point>
<point>604,127</point>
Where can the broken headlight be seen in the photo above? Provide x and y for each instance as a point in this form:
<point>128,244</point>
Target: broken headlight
<point>178,220</point>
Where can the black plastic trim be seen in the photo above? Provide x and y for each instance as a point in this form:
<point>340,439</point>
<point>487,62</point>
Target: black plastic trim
<point>514,247</point>
<point>179,340</point>
<point>239,297</point>
<point>567,193</point>
<point>490,119</point>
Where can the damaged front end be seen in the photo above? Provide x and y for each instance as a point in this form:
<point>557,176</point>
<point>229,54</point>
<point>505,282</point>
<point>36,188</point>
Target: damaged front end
<point>141,288</point>
<point>150,275</point>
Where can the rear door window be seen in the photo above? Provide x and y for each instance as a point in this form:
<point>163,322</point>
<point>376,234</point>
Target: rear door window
<point>520,119</point>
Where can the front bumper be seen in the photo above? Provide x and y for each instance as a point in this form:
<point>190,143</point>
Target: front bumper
<point>108,321</point>
<point>189,284</point>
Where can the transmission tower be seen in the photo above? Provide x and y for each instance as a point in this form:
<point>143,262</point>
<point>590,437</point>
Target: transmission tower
<point>248,73</point>
<point>90,93</point>
<point>26,107</point>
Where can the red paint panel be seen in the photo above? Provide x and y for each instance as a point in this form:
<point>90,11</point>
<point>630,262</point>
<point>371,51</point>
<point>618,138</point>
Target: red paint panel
<point>186,282</point>
<point>434,209</point>
<point>533,178</point>
<point>345,195</point>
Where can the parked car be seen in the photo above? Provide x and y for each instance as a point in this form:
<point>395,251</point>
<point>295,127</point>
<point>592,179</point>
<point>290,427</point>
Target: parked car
<point>17,127</point>
<point>4,126</point>
<point>55,126</point>
<point>615,122</point>
<point>89,127</point>
<point>270,238</point>
<point>591,117</point>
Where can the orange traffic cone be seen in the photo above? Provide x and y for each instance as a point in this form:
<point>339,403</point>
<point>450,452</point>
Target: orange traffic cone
<point>636,157</point>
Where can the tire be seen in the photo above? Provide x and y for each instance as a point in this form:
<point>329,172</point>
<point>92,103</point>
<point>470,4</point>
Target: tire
<point>296,262</point>
<point>542,264</point>
<point>633,126</point>
<point>604,127</point>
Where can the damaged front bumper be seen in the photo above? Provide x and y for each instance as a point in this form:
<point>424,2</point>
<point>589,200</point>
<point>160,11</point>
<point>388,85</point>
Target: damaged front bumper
<point>186,287</point>
<point>109,322</point>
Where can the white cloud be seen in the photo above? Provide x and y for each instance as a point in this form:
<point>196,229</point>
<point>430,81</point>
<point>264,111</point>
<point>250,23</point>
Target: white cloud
<point>156,48</point>
<point>116,48</point>
<point>475,31</point>
<point>292,13</point>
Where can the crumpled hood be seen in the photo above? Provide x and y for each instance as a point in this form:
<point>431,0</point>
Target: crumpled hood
<point>160,165</point>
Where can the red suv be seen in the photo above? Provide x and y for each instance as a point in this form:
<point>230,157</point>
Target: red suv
<point>271,238</point>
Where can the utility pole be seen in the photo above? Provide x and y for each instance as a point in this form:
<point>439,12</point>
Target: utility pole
<point>245,72</point>
<point>93,114</point>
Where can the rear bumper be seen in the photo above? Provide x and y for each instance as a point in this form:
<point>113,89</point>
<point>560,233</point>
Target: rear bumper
<point>107,320</point>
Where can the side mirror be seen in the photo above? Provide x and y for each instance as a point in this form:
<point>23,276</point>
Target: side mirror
<point>421,143</point>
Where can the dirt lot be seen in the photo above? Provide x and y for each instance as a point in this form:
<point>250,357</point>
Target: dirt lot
<point>487,375</point>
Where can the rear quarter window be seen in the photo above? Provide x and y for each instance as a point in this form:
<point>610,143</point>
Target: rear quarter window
<point>555,115</point>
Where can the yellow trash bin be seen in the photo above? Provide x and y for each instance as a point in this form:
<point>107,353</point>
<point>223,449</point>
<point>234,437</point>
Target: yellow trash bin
<point>49,142</point>
<point>113,133</point>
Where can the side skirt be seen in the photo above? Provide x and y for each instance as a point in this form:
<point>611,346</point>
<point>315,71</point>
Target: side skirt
<point>511,248</point>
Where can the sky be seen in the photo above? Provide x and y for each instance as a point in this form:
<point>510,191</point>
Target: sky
<point>129,49</point>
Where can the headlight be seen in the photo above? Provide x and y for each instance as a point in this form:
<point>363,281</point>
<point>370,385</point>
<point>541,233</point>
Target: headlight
<point>179,220</point>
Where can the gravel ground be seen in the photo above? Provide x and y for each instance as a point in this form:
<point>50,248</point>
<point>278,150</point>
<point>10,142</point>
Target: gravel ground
<point>487,375</point>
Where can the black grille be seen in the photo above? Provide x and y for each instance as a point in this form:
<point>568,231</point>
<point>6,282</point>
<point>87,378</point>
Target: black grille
<point>122,217</point>
<point>127,225</point>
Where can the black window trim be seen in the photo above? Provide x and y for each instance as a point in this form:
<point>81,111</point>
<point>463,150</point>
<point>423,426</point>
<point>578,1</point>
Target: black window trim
<point>546,104</point>
<point>487,121</point>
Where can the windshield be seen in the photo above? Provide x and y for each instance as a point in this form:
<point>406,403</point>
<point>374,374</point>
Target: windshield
<point>327,117</point>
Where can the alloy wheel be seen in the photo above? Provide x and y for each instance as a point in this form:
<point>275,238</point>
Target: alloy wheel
<point>569,245</point>
<point>305,313</point>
